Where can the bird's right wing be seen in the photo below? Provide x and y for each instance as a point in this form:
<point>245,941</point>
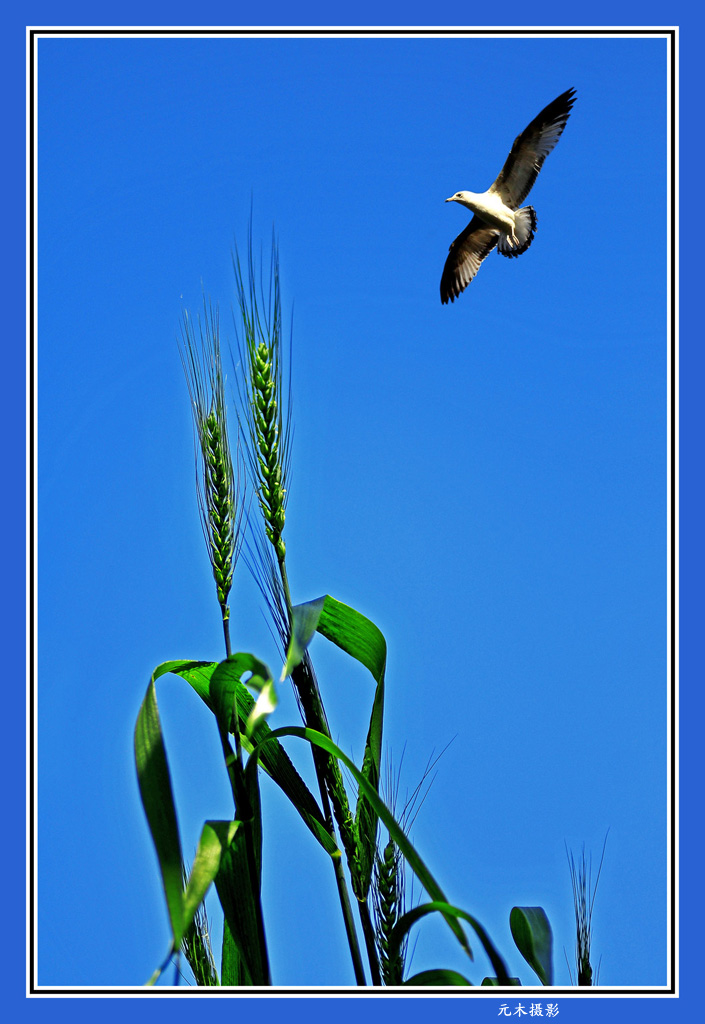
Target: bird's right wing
<point>530,149</point>
<point>466,254</point>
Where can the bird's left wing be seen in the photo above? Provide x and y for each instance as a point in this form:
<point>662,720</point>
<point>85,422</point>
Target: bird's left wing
<point>530,149</point>
<point>466,254</point>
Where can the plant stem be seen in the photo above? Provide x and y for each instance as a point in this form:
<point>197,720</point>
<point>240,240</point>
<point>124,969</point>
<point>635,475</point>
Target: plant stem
<point>245,811</point>
<point>240,766</point>
<point>342,887</point>
<point>257,889</point>
<point>315,718</point>
<point>370,941</point>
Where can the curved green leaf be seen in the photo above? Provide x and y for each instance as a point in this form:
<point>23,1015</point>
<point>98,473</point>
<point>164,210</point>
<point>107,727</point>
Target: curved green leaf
<point>361,639</point>
<point>225,682</point>
<point>393,827</point>
<point>215,839</point>
<point>532,934</point>
<point>304,623</point>
<point>196,673</point>
<point>238,882</point>
<point>158,802</point>
<point>494,981</point>
<point>438,976</point>
<point>412,916</point>
<point>274,760</point>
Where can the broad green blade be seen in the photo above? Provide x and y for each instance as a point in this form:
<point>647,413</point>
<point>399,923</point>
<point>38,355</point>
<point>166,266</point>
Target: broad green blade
<point>225,681</point>
<point>534,939</point>
<point>238,886</point>
<point>438,976</point>
<point>343,626</point>
<point>305,618</point>
<point>395,830</point>
<point>232,969</point>
<point>493,981</point>
<point>361,639</point>
<point>158,801</point>
<point>197,673</point>
<point>405,922</point>
<point>274,760</point>
<point>215,839</point>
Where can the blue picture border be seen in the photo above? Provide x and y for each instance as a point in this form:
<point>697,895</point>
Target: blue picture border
<point>644,1007</point>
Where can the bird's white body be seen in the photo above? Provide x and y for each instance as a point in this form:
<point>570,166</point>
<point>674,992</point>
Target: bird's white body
<point>489,207</point>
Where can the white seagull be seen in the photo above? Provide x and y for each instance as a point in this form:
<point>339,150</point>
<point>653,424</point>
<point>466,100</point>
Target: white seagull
<point>498,221</point>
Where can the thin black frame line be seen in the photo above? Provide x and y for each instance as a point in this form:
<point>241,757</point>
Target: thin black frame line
<point>673,425</point>
<point>354,33</point>
<point>31,512</point>
<point>668,34</point>
<point>393,991</point>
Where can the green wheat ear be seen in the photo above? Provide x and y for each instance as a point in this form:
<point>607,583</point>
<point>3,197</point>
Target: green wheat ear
<point>196,945</point>
<point>388,907</point>
<point>220,492</point>
<point>389,896</point>
<point>272,493</point>
<point>266,407</point>
<point>584,900</point>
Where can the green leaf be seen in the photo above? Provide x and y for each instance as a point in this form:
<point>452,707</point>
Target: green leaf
<point>343,626</point>
<point>274,760</point>
<point>225,682</point>
<point>534,939</point>
<point>238,884</point>
<point>196,673</point>
<point>406,921</point>
<point>438,976</point>
<point>393,827</point>
<point>494,981</point>
<point>305,619</point>
<point>158,802</point>
<point>232,969</point>
<point>215,839</point>
<point>264,705</point>
<point>361,639</point>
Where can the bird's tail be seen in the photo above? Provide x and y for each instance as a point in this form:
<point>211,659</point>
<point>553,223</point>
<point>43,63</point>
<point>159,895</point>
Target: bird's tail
<point>524,228</point>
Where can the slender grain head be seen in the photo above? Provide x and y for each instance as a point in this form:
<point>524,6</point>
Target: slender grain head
<point>389,906</point>
<point>196,946</point>
<point>265,404</point>
<point>584,900</point>
<point>389,896</point>
<point>220,486</point>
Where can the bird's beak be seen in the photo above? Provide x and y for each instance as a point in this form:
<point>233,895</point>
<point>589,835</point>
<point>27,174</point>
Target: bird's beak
<point>449,200</point>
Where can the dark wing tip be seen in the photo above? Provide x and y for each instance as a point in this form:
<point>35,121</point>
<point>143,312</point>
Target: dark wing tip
<point>448,288</point>
<point>560,107</point>
<point>451,286</point>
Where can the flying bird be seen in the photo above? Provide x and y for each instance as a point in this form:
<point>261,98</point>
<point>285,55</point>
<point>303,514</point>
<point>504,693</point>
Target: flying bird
<point>499,222</point>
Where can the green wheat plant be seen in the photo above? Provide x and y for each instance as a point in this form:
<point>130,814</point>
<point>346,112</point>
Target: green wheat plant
<point>243,495</point>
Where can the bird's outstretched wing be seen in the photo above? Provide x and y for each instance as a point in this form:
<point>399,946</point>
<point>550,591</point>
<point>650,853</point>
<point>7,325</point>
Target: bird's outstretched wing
<point>530,149</point>
<point>466,254</point>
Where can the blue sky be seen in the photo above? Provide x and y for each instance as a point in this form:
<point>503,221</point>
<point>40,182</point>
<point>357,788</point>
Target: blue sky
<point>485,481</point>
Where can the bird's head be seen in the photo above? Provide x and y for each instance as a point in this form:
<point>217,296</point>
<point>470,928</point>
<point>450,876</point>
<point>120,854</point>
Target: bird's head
<point>460,197</point>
